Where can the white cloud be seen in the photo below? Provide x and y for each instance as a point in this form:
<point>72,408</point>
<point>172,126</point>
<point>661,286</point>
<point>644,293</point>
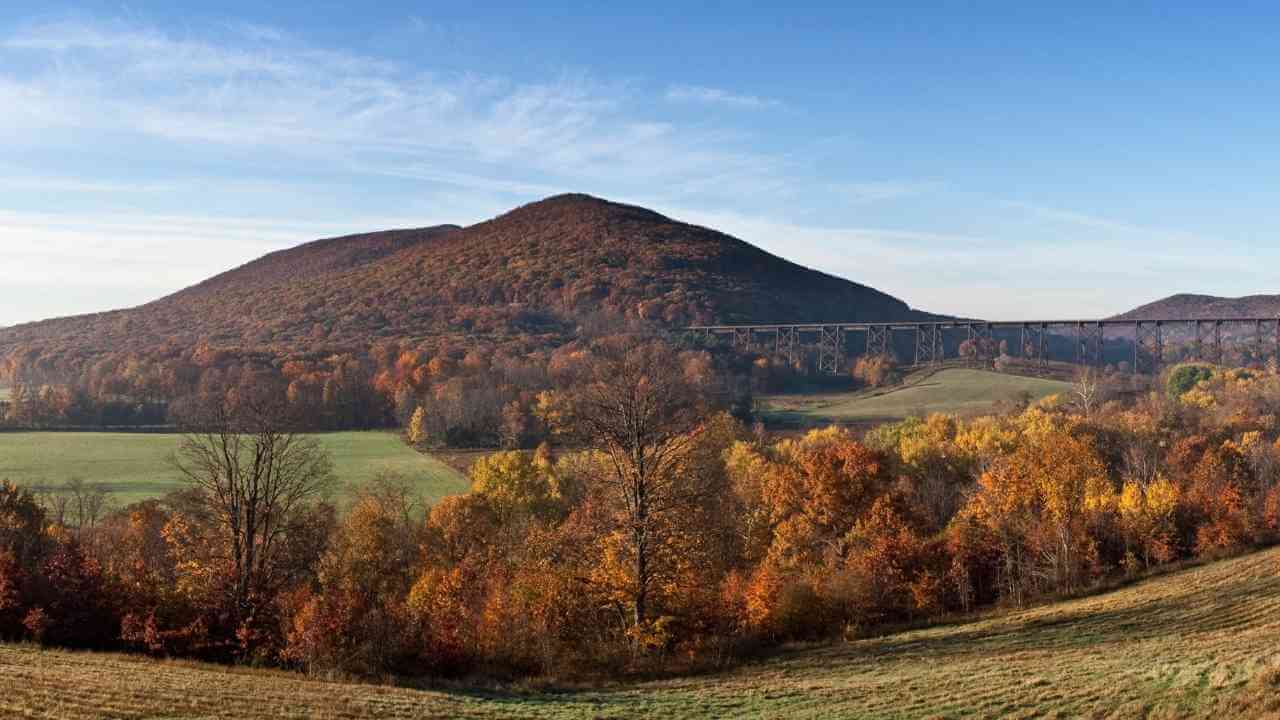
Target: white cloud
<point>717,96</point>
<point>283,97</point>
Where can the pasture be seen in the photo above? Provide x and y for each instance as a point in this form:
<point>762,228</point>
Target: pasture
<point>135,466</point>
<point>1197,643</point>
<point>959,391</point>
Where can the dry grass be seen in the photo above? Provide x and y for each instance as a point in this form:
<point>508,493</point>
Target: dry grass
<point>1203,642</point>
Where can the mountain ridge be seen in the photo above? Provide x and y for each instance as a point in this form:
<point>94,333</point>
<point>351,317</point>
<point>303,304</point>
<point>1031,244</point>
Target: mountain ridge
<point>522,280</point>
<point>1194,306</point>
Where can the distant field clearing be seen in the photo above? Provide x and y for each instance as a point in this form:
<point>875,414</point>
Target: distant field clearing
<point>953,390</point>
<point>134,466</point>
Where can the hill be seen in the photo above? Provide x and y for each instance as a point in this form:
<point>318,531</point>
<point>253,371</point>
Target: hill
<point>522,280</point>
<point>1206,306</point>
<point>313,260</point>
<point>1199,643</point>
<point>953,390</point>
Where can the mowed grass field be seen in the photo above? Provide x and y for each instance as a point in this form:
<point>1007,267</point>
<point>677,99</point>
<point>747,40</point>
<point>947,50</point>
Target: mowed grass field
<point>1199,643</point>
<point>959,391</point>
<point>135,466</point>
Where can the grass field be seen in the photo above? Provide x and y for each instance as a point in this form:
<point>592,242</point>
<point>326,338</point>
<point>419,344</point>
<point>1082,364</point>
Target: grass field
<point>953,390</point>
<point>134,466</point>
<point>1199,643</point>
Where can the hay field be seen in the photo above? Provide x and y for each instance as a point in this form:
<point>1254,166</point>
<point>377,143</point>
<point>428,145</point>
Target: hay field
<point>1198,643</point>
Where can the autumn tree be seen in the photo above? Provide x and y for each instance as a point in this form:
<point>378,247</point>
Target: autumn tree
<point>874,370</point>
<point>637,408</point>
<point>417,432</point>
<point>358,621</point>
<point>23,547</point>
<point>1037,504</point>
<point>253,473</point>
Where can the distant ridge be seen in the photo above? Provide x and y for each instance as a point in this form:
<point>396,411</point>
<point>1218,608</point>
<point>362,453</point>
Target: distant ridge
<point>522,280</point>
<point>1192,306</point>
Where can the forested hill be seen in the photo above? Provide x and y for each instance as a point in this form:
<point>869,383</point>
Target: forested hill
<point>520,281</point>
<point>1190,306</point>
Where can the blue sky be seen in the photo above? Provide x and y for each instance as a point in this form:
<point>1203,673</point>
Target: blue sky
<point>996,160</point>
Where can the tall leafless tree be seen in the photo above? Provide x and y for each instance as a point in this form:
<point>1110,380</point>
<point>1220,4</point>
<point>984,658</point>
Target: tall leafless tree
<point>1088,389</point>
<point>634,404</point>
<point>253,472</point>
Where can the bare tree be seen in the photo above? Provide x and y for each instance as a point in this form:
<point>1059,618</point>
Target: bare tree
<point>634,404</point>
<point>253,473</point>
<point>1088,389</point>
<point>88,502</point>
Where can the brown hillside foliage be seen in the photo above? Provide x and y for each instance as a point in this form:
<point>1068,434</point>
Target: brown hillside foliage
<point>468,324</point>
<point>522,281</point>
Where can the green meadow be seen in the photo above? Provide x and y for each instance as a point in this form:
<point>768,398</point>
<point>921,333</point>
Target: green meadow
<point>959,391</point>
<point>135,466</point>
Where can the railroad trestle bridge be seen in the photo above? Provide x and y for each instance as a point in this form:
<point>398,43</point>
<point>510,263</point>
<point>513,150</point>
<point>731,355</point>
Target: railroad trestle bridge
<point>830,342</point>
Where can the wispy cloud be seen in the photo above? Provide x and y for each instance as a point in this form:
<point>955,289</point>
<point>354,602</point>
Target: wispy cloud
<point>273,93</point>
<point>876,191</point>
<point>717,96</point>
<point>1105,224</point>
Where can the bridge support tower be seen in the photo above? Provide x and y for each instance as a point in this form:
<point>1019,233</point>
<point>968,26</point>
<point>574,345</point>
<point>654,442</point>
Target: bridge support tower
<point>831,354</point>
<point>929,350</point>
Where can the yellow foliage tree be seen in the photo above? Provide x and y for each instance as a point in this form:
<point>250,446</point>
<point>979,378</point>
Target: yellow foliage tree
<point>417,432</point>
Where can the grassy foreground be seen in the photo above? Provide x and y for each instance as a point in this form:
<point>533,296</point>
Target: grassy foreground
<point>135,465</point>
<point>953,390</point>
<point>1197,643</point>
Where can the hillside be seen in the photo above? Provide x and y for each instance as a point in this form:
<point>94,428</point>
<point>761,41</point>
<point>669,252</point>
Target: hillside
<point>313,260</point>
<point>1199,643</point>
<point>521,280</point>
<point>1206,306</point>
<point>955,391</point>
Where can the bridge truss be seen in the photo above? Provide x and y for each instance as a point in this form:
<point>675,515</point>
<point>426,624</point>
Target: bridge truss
<point>1146,340</point>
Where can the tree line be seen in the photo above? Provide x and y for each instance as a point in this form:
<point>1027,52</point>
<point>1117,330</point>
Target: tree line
<point>651,530</point>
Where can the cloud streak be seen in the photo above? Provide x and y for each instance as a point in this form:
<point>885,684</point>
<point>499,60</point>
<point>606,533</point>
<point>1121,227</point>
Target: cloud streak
<point>716,96</point>
<point>266,92</point>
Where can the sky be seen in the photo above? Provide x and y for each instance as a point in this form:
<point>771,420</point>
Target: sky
<point>996,160</point>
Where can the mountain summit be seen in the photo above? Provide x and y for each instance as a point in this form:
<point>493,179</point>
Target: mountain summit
<point>526,277</point>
